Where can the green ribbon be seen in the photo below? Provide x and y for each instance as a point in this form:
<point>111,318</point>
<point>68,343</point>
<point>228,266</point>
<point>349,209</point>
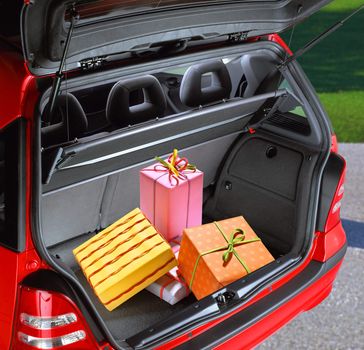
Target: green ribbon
<point>237,238</point>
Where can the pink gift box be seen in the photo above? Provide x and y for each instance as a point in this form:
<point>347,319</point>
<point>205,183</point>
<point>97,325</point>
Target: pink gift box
<point>171,205</point>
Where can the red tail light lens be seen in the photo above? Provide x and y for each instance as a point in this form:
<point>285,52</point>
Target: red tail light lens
<point>49,320</point>
<point>333,217</point>
<point>277,39</point>
<point>331,238</point>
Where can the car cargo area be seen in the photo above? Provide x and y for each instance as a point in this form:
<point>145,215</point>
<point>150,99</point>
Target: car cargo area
<point>253,138</point>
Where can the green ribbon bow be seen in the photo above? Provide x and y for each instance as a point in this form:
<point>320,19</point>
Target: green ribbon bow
<point>237,238</point>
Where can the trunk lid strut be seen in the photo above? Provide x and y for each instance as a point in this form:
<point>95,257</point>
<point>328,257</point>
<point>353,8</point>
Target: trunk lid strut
<point>59,75</point>
<point>318,39</point>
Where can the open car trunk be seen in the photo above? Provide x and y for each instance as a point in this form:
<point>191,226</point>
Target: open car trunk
<point>264,175</point>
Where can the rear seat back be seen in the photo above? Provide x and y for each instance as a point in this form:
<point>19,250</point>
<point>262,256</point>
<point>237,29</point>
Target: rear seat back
<point>192,92</point>
<point>72,211</point>
<point>71,121</point>
<point>119,110</point>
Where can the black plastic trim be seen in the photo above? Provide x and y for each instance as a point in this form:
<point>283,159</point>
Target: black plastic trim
<point>15,186</point>
<point>249,316</point>
<point>330,179</point>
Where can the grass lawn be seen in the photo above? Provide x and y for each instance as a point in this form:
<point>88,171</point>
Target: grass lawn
<point>336,66</point>
<point>346,110</point>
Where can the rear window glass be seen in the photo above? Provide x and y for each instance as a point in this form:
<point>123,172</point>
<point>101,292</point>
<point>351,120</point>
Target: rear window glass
<point>296,109</point>
<point>10,18</point>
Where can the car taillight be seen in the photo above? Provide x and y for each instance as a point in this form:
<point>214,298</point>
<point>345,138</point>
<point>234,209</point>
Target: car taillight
<point>277,39</point>
<point>331,235</point>
<point>50,320</point>
<point>51,343</point>
<point>47,322</point>
<point>333,217</point>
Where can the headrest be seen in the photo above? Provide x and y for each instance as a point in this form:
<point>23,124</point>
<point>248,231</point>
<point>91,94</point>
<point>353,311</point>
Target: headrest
<point>192,91</point>
<point>121,112</point>
<point>60,132</point>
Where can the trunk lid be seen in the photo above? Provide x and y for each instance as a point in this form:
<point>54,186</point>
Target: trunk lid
<point>105,27</point>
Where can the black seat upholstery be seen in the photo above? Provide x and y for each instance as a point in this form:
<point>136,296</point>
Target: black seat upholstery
<point>70,121</point>
<point>149,101</point>
<point>193,93</point>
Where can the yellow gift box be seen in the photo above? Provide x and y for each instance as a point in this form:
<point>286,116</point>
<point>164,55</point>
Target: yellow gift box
<point>124,258</point>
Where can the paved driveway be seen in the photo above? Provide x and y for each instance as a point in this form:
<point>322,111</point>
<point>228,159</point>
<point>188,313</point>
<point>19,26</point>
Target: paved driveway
<point>337,323</point>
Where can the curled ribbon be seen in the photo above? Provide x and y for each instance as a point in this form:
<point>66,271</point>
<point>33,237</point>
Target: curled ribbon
<point>175,166</point>
<point>237,238</point>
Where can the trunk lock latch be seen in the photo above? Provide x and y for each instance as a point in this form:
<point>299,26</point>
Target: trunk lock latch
<point>225,298</point>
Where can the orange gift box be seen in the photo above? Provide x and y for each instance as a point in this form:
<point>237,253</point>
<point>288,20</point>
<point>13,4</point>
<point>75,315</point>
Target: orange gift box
<point>216,254</point>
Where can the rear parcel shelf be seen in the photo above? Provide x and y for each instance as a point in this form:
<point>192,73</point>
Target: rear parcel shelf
<point>138,143</point>
<point>52,160</point>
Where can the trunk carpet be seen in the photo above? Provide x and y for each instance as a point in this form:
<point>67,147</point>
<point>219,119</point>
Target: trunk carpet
<point>140,312</point>
<point>136,314</point>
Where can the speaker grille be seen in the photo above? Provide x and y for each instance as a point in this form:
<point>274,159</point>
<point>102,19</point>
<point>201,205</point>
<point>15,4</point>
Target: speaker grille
<point>290,122</point>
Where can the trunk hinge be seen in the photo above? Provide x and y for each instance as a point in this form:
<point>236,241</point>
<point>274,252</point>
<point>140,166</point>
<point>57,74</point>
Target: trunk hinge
<point>92,63</point>
<point>238,37</point>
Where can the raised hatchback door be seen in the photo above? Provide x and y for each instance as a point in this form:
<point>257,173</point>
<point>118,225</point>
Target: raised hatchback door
<point>103,27</point>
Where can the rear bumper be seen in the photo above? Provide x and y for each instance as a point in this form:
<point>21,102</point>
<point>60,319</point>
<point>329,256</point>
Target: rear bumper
<point>254,324</point>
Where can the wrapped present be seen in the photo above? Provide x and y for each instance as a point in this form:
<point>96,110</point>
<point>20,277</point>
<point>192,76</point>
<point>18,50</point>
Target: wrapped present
<point>171,195</point>
<point>124,258</point>
<point>219,253</point>
<point>171,287</point>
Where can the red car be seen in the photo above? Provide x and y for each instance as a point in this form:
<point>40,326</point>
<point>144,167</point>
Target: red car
<point>90,92</point>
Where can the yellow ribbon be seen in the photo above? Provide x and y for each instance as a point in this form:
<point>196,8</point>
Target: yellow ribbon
<point>237,238</point>
<point>176,165</point>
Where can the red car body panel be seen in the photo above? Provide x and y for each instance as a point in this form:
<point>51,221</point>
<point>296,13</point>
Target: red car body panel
<point>19,93</point>
<point>8,277</point>
<point>306,300</point>
<point>16,85</point>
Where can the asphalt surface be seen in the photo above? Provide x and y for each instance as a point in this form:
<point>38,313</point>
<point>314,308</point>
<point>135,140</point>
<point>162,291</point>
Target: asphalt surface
<point>338,322</point>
